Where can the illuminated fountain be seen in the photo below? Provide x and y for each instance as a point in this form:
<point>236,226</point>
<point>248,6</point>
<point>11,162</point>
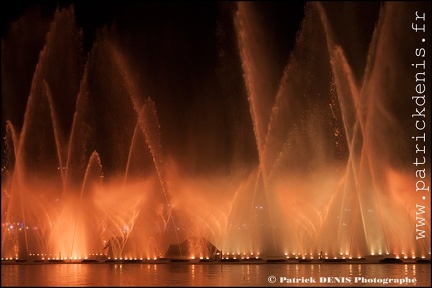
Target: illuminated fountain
<point>332,170</point>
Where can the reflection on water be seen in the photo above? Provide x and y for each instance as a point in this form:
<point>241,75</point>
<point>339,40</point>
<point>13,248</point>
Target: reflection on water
<point>212,274</point>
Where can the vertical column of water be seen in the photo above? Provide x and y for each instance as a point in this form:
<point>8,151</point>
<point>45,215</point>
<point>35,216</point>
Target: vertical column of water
<point>9,198</point>
<point>389,124</point>
<point>348,97</point>
<point>347,93</point>
<point>369,113</point>
<point>93,173</point>
<point>19,50</point>
<point>21,173</point>
<point>39,156</point>
<point>149,125</point>
<point>290,128</point>
<point>257,80</point>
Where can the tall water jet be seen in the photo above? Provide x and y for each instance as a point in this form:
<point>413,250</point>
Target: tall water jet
<point>335,121</point>
<point>376,135</point>
<point>291,132</point>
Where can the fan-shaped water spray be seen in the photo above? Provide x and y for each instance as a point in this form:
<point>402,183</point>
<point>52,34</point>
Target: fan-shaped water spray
<point>90,173</point>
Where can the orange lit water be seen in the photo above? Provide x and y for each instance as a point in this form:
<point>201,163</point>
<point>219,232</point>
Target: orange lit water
<point>208,274</point>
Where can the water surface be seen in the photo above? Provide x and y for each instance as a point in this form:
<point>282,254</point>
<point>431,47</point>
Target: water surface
<point>181,274</point>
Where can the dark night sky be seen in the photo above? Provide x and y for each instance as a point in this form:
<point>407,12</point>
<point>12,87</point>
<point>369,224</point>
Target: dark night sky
<point>134,15</point>
<point>158,24</point>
